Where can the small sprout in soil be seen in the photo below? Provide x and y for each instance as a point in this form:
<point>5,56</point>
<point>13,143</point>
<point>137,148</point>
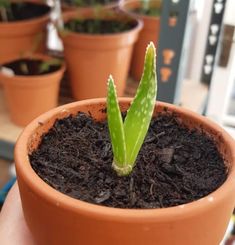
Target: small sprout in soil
<point>45,66</point>
<point>128,137</point>
<point>24,68</point>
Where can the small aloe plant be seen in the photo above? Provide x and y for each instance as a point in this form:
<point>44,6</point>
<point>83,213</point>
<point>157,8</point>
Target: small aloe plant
<point>127,137</point>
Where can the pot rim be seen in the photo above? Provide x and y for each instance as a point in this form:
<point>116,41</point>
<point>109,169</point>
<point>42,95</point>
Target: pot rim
<point>56,198</point>
<point>29,78</point>
<point>70,15</point>
<point>28,22</point>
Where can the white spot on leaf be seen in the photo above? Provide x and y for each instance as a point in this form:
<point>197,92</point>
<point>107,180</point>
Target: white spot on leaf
<point>142,101</point>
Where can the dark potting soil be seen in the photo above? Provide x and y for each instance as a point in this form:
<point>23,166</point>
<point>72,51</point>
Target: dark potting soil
<point>88,2</point>
<point>175,165</point>
<point>25,10</point>
<point>32,67</point>
<point>98,26</point>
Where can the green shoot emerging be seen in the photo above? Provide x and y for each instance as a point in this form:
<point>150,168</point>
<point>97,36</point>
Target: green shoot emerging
<point>145,4</point>
<point>46,65</point>
<point>128,137</point>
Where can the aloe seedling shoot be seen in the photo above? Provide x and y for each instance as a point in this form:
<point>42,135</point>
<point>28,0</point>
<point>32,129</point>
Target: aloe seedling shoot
<point>127,137</point>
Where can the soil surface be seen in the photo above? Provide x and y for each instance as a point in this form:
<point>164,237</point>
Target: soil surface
<point>98,26</point>
<point>32,67</point>
<point>175,165</point>
<point>88,2</point>
<point>25,10</point>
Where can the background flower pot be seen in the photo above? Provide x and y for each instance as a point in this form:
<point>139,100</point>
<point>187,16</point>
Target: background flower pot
<point>92,58</point>
<point>29,96</point>
<point>19,37</point>
<point>150,32</point>
<point>55,218</point>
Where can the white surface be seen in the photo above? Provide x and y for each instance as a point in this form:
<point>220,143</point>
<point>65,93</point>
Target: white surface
<point>199,39</point>
<point>223,77</point>
<point>229,17</point>
<point>230,130</point>
<point>228,232</point>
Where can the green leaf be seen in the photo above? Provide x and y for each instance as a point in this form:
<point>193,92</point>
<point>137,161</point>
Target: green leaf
<point>46,65</point>
<point>140,113</point>
<point>128,138</point>
<point>5,10</point>
<point>145,4</point>
<point>115,124</point>
<point>4,3</point>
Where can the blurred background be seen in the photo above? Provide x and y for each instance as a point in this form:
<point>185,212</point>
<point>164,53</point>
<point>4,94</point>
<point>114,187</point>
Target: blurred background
<point>195,43</point>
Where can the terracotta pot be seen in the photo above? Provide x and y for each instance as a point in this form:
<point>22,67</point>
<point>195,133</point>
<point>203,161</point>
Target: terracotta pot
<point>19,37</point>
<point>29,96</point>
<point>150,32</point>
<point>92,58</point>
<point>55,218</point>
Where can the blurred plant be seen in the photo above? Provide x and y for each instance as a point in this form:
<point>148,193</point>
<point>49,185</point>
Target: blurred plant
<point>100,21</point>
<point>46,65</point>
<point>5,10</point>
<point>128,137</point>
<point>151,7</point>
<point>24,67</point>
<point>81,3</point>
<point>146,5</point>
<point>43,67</point>
<point>78,2</point>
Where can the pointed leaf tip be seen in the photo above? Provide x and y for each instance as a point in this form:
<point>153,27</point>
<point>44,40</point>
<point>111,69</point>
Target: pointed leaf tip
<point>139,115</point>
<point>110,77</point>
<point>150,62</point>
<point>110,82</point>
<point>151,48</point>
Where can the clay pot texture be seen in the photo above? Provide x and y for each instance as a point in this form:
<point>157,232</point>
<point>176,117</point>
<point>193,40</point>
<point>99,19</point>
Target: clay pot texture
<point>150,32</point>
<point>29,96</point>
<point>20,37</point>
<point>57,219</point>
<point>91,58</point>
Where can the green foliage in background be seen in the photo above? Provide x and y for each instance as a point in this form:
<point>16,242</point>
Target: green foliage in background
<point>5,10</point>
